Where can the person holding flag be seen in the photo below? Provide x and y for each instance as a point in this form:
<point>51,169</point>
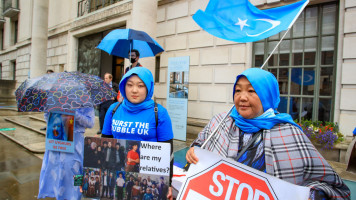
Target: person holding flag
<point>256,135</point>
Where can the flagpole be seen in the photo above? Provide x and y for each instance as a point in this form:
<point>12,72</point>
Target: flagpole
<point>274,49</point>
<point>186,167</point>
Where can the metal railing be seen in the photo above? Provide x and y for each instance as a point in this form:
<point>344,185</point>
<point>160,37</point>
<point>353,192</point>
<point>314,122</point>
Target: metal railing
<point>87,6</point>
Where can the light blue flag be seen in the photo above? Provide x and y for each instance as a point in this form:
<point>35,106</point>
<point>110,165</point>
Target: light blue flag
<point>240,21</point>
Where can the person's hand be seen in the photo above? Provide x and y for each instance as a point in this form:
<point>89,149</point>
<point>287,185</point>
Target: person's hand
<point>169,194</point>
<point>191,157</point>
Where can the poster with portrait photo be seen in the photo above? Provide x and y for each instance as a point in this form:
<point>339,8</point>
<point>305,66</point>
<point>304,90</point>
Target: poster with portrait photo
<point>59,135</point>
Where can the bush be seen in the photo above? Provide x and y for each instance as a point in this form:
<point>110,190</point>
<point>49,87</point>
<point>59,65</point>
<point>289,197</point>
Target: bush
<point>326,134</point>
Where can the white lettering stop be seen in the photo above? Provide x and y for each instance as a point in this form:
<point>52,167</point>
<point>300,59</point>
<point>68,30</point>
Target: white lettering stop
<point>252,195</point>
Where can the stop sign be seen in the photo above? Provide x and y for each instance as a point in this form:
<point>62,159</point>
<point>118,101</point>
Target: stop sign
<point>224,181</point>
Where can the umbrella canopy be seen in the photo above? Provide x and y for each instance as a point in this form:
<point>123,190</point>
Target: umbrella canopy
<point>62,91</point>
<point>119,42</point>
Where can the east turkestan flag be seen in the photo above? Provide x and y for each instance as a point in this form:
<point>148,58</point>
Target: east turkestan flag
<point>240,21</point>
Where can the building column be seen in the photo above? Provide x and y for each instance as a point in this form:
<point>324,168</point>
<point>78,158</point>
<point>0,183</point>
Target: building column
<point>39,39</point>
<point>144,18</point>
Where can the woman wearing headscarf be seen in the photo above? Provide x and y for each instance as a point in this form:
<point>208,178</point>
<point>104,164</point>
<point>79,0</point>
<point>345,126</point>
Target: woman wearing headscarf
<point>135,117</point>
<point>58,168</point>
<point>256,98</point>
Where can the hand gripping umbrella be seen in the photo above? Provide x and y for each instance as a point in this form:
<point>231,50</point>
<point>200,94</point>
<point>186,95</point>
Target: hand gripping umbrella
<point>62,91</point>
<point>120,42</point>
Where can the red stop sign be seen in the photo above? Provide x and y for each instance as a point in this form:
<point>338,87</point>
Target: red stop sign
<point>224,181</point>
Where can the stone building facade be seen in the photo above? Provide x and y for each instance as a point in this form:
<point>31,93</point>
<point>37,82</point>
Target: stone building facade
<point>37,35</point>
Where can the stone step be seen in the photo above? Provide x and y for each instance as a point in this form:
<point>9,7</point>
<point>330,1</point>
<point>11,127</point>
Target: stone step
<point>30,140</point>
<point>26,133</point>
<point>7,98</point>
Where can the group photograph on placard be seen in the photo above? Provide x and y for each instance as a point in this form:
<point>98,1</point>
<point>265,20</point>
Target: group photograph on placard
<point>112,171</point>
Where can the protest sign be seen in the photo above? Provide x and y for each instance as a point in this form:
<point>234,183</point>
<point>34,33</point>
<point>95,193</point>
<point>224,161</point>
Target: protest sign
<point>214,177</point>
<point>59,135</point>
<point>123,169</point>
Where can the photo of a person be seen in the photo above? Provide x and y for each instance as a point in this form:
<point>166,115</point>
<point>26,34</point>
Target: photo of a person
<point>56,127</point>
<point>136,191</point>
<point>133,158</point>
<point>129,184</point>
<point>120,184</point>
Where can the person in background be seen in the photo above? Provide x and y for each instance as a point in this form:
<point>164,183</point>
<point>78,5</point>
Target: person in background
<point>256,99</point>
<point>59,168</point>
<point>103,107</point>
<point>134,56</point>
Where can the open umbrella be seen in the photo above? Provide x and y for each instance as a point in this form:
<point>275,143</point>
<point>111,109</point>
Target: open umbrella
<point>120,42</point>
<point>62,91</point>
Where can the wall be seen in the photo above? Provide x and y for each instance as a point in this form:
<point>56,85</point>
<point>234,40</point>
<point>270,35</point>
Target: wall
<point>214,63</point>
<point>347,117</point>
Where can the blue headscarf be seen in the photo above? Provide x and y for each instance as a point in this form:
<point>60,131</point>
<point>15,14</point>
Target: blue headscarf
<point>146,76</point>
<point>267,89</point>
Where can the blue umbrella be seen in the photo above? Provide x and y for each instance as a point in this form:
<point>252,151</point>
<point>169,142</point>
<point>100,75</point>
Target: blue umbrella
<point>120,42</point>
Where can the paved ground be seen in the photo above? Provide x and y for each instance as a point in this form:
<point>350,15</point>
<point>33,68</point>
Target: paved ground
<point>20,168</point>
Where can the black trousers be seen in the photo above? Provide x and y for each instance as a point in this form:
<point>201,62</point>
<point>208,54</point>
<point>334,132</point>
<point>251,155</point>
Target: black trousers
<point>102,112</point>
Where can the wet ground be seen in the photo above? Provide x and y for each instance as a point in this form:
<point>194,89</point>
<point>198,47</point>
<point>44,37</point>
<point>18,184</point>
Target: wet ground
<point>20,160</point>
<point>19,171</point>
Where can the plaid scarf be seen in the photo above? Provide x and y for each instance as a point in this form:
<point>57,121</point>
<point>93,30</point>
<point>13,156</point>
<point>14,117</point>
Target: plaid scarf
<point>289,155</point>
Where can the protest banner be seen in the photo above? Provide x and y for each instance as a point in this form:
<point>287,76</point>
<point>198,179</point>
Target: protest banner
<point>214,177</point>
<point>125,169</point>
<point>59,135</point>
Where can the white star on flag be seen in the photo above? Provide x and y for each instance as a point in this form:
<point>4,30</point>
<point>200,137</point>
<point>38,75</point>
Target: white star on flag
<point>242,23</point>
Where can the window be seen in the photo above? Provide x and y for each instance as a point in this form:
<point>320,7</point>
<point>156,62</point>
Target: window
<point>2,39</point>
<point>157,68</point>
<point>304,63</point>
<point>13,67</point>
<point>14,32</point>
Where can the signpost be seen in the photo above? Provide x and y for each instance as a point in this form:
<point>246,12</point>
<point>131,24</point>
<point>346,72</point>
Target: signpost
<point>217,178</point>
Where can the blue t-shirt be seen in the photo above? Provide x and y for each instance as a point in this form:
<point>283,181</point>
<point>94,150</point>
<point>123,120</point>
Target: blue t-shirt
<point>139,126</point>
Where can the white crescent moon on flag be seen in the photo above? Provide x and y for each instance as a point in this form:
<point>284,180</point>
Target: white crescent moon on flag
<point>273,22</point>
<point>310,78</point>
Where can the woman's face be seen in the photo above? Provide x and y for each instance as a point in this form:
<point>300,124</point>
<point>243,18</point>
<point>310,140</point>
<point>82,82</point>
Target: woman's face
<point>135,89</point>
<point>246,100</point>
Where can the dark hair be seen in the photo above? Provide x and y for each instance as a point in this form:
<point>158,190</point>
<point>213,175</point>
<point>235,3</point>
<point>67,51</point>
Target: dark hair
<point>105,142</point>
<point>117,144</point>
<point>136,52</point>
<point>49,71</point>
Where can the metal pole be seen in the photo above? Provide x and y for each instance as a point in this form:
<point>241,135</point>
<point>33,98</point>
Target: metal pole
<point>274,49</point>
<point>215,130</point>
<point>227,114</point>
